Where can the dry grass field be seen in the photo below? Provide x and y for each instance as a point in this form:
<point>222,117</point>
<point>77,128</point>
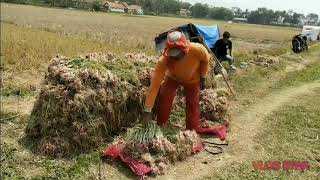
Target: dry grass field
<point>37,34</point>
<point>31,36</point>
<point>128,31</point>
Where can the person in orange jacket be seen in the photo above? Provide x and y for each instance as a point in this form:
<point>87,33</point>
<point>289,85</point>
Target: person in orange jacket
<point>182,63</point>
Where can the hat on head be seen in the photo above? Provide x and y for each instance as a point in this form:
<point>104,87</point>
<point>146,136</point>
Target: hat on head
<point>176,44</point>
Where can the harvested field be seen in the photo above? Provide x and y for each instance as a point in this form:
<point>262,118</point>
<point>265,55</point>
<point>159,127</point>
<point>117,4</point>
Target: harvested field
<point>128,31</point>
<point>41,103</point>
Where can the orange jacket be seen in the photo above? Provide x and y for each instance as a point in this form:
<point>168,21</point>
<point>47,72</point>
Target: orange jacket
<point>187,70</point>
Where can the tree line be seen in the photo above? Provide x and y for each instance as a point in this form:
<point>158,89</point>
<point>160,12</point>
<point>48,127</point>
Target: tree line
<point>259,16</point>
<point>198,10</point>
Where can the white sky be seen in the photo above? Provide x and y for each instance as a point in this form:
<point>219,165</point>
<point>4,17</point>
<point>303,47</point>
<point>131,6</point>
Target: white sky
<point>300,6</point>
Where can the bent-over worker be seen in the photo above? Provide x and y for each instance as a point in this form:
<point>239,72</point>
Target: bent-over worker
<point>185,64</point>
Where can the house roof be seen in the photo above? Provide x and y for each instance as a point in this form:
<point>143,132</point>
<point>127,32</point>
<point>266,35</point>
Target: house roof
<point>134,7</point>
<point>184,10</point>
<point>114,5</point>
<point>89,1</point>
<point>124,4</point>
<point>240,19</point>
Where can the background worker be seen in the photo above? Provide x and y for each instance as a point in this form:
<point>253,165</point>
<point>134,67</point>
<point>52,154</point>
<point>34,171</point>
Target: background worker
<point>221,50</point>
<point>299,43</point>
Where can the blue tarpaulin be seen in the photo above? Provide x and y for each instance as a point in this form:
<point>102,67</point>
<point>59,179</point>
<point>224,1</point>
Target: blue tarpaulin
<point>211,34</point>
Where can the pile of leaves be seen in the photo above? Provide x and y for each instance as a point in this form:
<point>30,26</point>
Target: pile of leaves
<point>85,99</point>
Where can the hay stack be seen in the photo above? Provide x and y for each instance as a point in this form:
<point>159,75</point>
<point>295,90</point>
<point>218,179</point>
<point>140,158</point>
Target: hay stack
<point>83,100</point>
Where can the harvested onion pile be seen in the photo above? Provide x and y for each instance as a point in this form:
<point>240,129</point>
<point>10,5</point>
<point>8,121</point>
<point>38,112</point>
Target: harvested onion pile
<point>83,100</point>
<point>144,134</point>
<point>157,147</point>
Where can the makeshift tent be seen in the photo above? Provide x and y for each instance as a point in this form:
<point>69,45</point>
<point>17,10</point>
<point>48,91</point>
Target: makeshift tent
<point>210,34</point>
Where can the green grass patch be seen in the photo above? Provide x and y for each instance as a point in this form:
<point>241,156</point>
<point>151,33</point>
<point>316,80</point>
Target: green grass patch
<point>309,74</point>
<point>18,161</point>
<point>17,91</point>
<point>76,169</point>
<point>8,117</point>
<point>13,168</point>
<point>248,80</point>
<point>275,51</point>
<point>256,82</point>
<point>290,134</point>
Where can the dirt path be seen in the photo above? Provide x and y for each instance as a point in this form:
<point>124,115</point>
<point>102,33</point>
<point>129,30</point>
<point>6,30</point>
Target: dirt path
<point>241,139</point>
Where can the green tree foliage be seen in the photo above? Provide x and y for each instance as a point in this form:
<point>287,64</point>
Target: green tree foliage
<point>312,17</point>
<point>96,5</point>
<point>296,18</point>
<point>268,16</point>
<point>262,16</point>
<point>200,10</point>
<point>221,13</point>
<point>159,7</point>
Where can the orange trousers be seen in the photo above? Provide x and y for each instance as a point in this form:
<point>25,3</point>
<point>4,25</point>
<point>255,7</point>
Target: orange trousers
<point>166,96</point>
<point>192,92</point>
